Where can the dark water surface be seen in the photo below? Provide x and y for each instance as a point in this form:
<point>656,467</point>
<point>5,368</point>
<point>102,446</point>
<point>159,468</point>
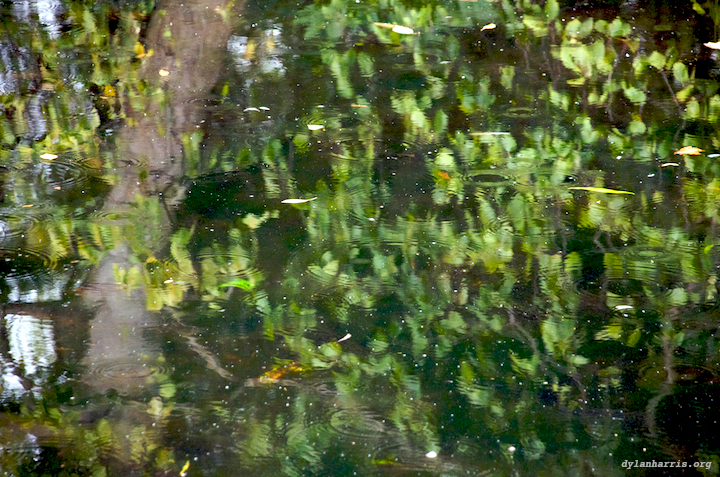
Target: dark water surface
<point>359,238</point>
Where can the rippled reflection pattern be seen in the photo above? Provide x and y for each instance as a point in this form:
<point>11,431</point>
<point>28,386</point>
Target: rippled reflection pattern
<point>32,348</point>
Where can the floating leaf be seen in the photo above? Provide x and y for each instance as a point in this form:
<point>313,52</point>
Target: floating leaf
<point>163,72</point>
<point>444,175</point>
<point>690,151</point>
<point>666,164</point>
<point>403,30</point>
<point>185,468</point>
<point>715,45</point>
<point>48,156</point>
<point>315,127</point>
<point>603,190</point>
<point>346,337</point>
<point>489,26</point>
<point>492,133</point>
<point>297,201</point>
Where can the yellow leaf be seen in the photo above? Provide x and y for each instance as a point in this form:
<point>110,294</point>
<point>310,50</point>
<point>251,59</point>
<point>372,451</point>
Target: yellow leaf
<point>139,50</point>
<point>444,175</point>
<point>669,164</point>
<point>49,157</point>
<point>603,190</point>
<point>489,26</point>
<point>185,468</point>
<point>164,72</point>
<point>297,201</point>
<point>690,151</point>
<point>315,127</point>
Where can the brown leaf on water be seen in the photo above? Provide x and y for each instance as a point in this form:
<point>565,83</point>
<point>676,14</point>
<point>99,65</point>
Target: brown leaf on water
<point>690,151</point>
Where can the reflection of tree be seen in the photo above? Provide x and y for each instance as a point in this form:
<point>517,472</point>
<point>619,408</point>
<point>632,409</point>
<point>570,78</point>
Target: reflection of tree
<point>187,43</point>
<point>158,111</point>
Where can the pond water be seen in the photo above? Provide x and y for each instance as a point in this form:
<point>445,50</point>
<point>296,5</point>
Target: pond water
<point>372,237</point>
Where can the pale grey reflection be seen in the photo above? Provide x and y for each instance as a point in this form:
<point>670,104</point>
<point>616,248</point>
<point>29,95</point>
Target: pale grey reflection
<point>119,356</point>
<point>47,11</point>
<point>31,349</point>
<point>36,289</point>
